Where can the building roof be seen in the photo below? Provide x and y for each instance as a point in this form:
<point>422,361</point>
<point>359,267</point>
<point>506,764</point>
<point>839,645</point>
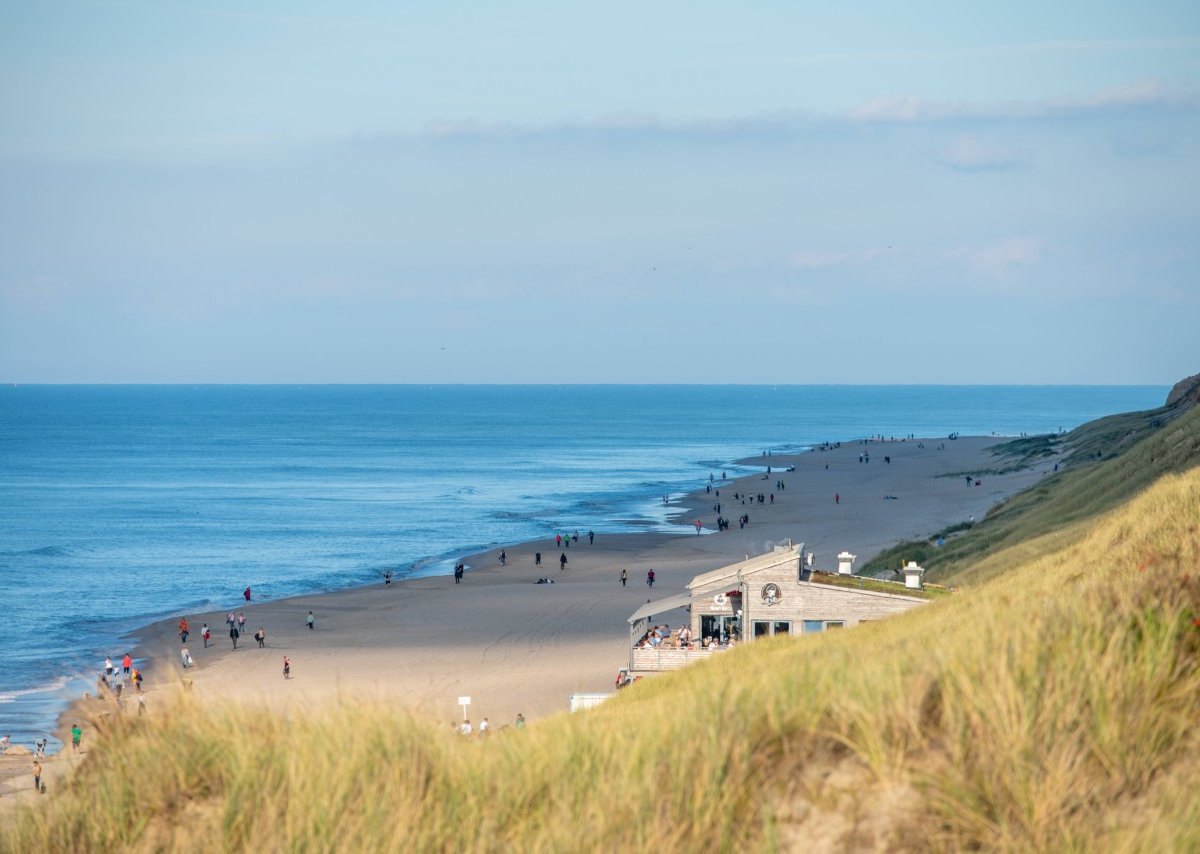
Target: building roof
<point>781,554</point>
<point>661,606</point>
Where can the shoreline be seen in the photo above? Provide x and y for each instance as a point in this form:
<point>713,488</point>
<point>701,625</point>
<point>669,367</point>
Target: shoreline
<point>516,646</point>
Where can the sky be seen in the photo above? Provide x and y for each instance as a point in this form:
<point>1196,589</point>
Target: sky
<point>547,192</point>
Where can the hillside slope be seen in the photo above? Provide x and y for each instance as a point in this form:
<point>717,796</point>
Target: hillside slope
<point>1051,708</point>
<point>1109,461</point>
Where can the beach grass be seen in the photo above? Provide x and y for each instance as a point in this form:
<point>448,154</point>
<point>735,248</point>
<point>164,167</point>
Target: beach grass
<point>1050,707</point>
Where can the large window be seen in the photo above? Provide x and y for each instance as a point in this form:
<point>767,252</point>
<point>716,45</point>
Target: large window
<point>765,628</point>
<point>811,626</point>
<point>720,628</point>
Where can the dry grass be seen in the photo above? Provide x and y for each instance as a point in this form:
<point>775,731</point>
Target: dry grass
<point>1052,708</point>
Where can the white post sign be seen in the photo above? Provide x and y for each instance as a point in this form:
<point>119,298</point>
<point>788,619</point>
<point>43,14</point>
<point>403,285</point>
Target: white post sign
<point>464,702</point>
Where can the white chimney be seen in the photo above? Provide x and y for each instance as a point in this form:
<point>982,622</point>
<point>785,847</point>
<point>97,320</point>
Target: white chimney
<point>912,575</point>
<point>846,563</point>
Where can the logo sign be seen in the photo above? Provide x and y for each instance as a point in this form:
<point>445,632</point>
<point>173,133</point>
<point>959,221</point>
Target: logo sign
<point>464,701</point>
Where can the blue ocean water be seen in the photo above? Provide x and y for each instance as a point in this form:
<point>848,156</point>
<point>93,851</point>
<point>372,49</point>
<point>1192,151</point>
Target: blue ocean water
<point>124,504</point>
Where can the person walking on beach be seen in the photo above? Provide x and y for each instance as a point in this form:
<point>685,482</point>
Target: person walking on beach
<point>241,622</point>
<point>562,561</point>
<point>137,679</point>
<point>76,737</point>
<point>503,558</point>
<point>126,664</point>
<point>37,776</point>
<point>558,540</point>
<point>287,668</point>
<point>591,537</point>
<point>837,498</point>
<point>108,666</point>
<point>309,620</point>
<point>205,634</point>
<point>185,657</point>
<point>246,593</point>
<point>650,578</point>
<point>261,637</point>
<point>183,629</point>
<point>537,558</point>
<point>234,634</point>
<point>624,576</point>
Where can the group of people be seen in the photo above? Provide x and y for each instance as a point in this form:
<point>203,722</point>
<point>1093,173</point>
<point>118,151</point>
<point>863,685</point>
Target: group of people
<point>656,636</point>
<point>237,627</point>
<point>485,726</point>
<point>113,679</point>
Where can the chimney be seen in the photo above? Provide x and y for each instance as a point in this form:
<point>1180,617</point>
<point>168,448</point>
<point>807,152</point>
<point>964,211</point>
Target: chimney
<point>912,575</point>
<point>846,563</point>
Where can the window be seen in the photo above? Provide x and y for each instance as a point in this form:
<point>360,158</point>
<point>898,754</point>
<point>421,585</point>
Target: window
<point>781,628</point>
<point>835,624</point>
<point>811,626</point>
<point>762,628</point>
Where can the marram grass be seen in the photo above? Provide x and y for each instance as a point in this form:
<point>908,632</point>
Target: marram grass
<point>1052,708</point>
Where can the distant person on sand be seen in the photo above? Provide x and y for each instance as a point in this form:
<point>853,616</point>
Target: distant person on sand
<point>205,634</point>
<point>837,498</point>
<point>650,578</point>
<point>127,664</point>
<point>520,724</point>
<point>387,578</point>
<point>246,593</point>
<point>562,561</point>
<point>591,537</point>
<point>558,540</point>
<point>309,620</point>
<point>537,558</point>
<point>624,576</point>
<point>287,668</point>
<point>234,634</point>
<point>76,737</point>
<point>503,558</point>
<point>37,776</point>
<point>261,637</point>
<point>183,629</point>
<point>185,657</point>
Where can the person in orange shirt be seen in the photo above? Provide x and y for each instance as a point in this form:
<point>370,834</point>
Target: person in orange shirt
<point>126,664</point>
<point>183,629</point>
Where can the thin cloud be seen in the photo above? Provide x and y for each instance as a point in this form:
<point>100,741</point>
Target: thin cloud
<point>1000,258</point>
<point>911,109</point>
<point>968,153</point>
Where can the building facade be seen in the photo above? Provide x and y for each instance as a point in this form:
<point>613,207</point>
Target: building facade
<point>765,596</point>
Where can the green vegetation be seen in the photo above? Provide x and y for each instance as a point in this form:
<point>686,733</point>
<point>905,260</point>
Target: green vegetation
<point>858,582</point>
<point>1109,461</point>
<point>1052,708</point>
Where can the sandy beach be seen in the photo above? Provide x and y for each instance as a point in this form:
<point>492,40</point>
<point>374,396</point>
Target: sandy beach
<point>515,646</point>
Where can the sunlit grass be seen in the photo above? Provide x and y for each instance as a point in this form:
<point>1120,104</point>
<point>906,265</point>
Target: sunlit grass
<point>1051,708</point>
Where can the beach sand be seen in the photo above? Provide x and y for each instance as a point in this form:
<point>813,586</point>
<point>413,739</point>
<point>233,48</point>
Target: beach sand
<point>512,645</point>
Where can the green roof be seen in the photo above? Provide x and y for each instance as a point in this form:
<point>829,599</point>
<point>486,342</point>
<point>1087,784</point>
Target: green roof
<point>877,585</point>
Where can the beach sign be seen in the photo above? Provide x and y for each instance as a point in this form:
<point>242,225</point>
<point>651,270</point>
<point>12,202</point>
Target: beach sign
<point>464,702</point>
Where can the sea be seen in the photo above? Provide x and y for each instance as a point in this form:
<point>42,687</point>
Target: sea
<point>121,505</point>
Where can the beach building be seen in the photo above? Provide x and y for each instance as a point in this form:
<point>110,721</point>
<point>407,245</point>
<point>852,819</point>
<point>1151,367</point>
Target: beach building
<point>777,593</point>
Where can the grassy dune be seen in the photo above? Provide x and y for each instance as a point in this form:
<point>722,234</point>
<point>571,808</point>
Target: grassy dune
<point>1110,461</point>
<point>1050,708</point>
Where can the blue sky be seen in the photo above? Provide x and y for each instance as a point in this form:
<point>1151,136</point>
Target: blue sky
<point>626,192</point>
